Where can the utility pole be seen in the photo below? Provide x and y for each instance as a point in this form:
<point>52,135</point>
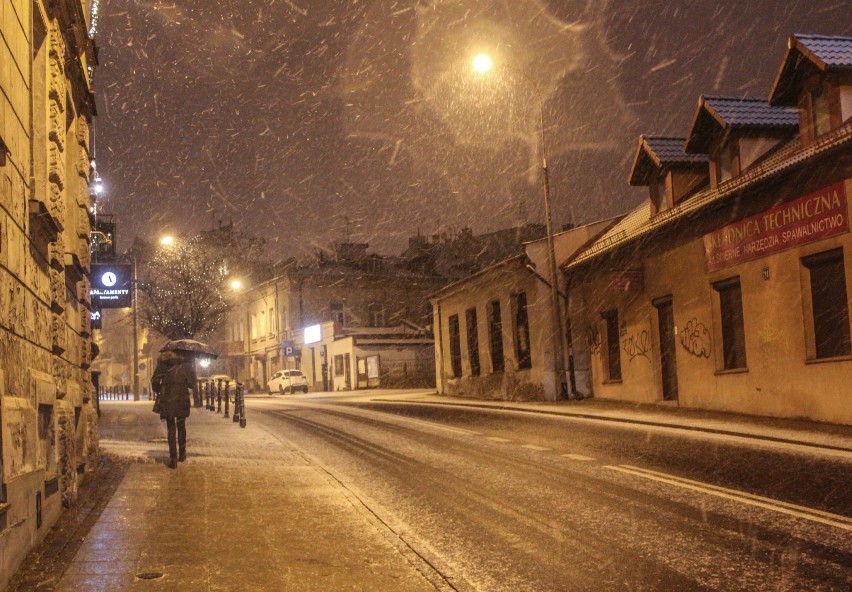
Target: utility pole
<point>134,309</point>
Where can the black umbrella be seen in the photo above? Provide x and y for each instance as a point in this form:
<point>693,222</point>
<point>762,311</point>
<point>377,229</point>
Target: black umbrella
<point>190,346</point>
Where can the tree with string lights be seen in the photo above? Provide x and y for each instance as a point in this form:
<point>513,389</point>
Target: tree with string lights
<point>183,288</point>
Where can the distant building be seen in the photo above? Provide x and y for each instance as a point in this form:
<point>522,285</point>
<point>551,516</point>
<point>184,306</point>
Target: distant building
<point>349,286</point>
<point>728,288</point>
<point>494,333</point>
<point>48,424</point>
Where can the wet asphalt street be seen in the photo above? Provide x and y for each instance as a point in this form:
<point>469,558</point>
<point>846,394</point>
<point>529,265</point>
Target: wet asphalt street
<point>500,500</point>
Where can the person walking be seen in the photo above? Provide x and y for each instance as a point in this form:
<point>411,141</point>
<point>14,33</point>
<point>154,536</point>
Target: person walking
<point>173,381</point>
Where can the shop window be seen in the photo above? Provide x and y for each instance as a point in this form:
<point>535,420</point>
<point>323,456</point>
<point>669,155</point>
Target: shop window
<point>829,304</point>
<point>455,346</point>
<point>522,332</point>
<point>613,349</point>
<point>472,341</point>
<point>338,365</point>
<point>732,323</point>
<point>495,336</point>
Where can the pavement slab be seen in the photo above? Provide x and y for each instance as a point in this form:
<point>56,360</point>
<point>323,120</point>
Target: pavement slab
<point>246,512</point>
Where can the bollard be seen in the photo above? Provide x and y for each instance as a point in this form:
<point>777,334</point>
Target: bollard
<point>210,395</point>
<point>219,397</point>
<point>237,390</point>
<point>227,398</point>
<point>242,408</point>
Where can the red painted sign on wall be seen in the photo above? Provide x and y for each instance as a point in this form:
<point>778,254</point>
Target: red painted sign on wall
<point>818,215</point>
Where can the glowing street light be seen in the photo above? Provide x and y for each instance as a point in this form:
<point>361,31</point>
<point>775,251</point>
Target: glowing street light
<point>236,285</point>
<point>482,64</point>
<point>167,240</point>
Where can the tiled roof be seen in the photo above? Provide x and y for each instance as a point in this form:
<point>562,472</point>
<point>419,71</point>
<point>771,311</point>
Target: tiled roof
<point>751,112</point>
<point>718,113</point>
<point>830,50</point>
<point>659,152</point>
<point>808,53</point>
<point>670,151</point>
<point>640,223</point>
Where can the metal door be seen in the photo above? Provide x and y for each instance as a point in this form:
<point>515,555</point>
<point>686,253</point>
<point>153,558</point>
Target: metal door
<point>668,360</point>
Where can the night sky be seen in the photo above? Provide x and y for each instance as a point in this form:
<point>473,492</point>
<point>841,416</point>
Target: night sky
<point>307,121</point>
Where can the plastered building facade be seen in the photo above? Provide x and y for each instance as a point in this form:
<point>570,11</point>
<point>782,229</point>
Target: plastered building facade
<point>728,289</point>
<point>48,425</point>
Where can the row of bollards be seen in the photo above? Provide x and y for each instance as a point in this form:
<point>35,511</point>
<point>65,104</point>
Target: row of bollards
<point>211,394</point>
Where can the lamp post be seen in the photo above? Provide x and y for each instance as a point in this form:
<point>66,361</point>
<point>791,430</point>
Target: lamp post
<point>135,309</point>
<point>482,63</point>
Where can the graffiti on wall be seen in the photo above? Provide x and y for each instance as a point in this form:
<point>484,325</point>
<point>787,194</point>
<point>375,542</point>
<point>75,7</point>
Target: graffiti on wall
<point>637,345</point>
<point>593,340</point>
<point>695,338</point>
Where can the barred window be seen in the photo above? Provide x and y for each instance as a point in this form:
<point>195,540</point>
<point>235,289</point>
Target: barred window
<point>732,323</point>
<point>613,349</point>
<point>495,336</point>
<point>455,346</point>
<point>522,332</point>
<point>472,341</point>
<point>829,304</point>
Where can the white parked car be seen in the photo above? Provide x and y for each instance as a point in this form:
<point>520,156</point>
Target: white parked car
<point>287,381</point>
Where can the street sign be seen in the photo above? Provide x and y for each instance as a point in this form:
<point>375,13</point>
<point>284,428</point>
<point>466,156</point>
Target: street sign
<point>288,347</point>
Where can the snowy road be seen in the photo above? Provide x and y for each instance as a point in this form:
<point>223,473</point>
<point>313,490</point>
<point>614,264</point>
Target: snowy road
<point>497,500</point>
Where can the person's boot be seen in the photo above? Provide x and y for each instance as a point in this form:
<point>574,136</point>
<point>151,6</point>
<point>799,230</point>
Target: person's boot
<point>182,455</point>
<point>173,462</point>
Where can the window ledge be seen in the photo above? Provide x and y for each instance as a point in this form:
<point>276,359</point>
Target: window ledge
<point>731,371</point>
<point>846,358</point>
<point>613,381</point>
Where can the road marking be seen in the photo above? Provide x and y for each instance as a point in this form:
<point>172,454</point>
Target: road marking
<point>579,457</point>
<point>534,447</point>
<point>811,514</point>
<point>496,439</point>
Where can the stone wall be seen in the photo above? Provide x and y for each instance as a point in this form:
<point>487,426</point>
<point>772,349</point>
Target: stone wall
<point>48,424</point>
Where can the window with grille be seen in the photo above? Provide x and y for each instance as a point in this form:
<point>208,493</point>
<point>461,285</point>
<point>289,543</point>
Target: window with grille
<point>613,349</point>
<point>732,323</point>
<point>455,346</point>
<point>829,304</point>
<point>522,332</point>
<point>495,336</point>
<point>472,341</point>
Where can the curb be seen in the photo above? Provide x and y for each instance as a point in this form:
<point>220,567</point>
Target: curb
<point>628,420</point>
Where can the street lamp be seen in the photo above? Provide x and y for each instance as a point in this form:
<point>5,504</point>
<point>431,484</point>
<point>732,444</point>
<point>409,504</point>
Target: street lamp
<point>236,285</point>
<point>167,240</point>
<point>483,64</point>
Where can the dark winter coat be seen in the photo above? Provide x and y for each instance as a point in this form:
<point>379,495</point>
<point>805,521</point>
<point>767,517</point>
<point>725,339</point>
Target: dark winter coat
<point>174,380</point>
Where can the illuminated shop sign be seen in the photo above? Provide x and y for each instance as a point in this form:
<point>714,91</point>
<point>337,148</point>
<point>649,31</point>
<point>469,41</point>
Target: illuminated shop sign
<point>816,216</point>
<point>111,285</point>
<point>313,334</point>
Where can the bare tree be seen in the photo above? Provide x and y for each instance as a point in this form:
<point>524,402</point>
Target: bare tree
<point>184,289</point>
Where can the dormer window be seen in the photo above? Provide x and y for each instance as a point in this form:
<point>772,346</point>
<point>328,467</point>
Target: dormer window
<point>670,174</point>
<point>815,78</point>
<point>820,115</point>
<point>723,164</point>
